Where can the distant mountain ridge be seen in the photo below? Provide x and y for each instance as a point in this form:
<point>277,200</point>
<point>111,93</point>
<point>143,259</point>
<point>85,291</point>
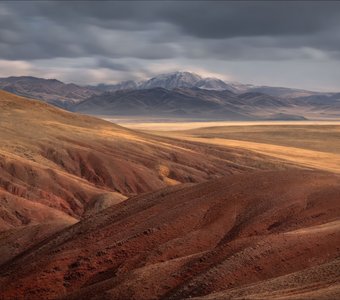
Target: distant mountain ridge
<point>188,102</point>
<point>60,93</point>
<point>51,91</point>
<point>163,102</point>
<point>173,80</point>
<point>180,94</point>
<point>183,79</point>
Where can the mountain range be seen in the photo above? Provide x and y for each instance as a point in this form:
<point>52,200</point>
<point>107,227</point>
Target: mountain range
<point>184,102</point>
<point>180,94</point>
<point>175,80</point>
<point>49,90</point>
<point>172,81</point>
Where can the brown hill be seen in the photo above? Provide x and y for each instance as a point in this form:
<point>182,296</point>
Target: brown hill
<point>265,234</point>
<point>53,162</point>
<point>50,90</point>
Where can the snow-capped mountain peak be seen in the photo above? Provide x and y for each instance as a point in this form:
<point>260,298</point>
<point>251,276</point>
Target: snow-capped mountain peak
<point>172,80</point>
<point>211,83</point>
<point>179,79</point>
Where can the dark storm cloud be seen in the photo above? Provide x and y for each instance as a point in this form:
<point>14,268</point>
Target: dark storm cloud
<point>33,30</point>
<point>109,64</point>
<point>207,19</point>
<point>132,39</point>
<point>225,20</point>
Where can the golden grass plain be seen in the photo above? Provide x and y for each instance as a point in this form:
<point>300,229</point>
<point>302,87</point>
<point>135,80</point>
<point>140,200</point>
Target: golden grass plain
<point>312,144</point>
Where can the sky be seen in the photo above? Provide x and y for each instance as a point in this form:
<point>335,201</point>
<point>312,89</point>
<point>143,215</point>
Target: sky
<point>277,43</point>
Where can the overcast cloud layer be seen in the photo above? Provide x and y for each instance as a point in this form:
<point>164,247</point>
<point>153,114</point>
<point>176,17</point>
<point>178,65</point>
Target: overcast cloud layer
<point>293,44</point>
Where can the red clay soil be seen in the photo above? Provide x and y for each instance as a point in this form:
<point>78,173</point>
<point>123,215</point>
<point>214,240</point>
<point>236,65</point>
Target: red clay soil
<point>266,234</point>
<point>77,164</point>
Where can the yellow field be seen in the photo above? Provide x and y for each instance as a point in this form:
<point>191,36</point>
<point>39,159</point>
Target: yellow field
<point>310,144</point>
<point>170,125</point>
<point>309,158</point>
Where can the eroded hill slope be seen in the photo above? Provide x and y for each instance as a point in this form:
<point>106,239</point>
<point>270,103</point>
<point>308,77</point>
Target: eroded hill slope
<point>53,161</point>
<point>268,229</point>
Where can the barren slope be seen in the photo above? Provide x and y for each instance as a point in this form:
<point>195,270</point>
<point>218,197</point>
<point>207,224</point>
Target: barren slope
<point>53,161</point>
<point>316,282</point>
<point>270,229</point>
